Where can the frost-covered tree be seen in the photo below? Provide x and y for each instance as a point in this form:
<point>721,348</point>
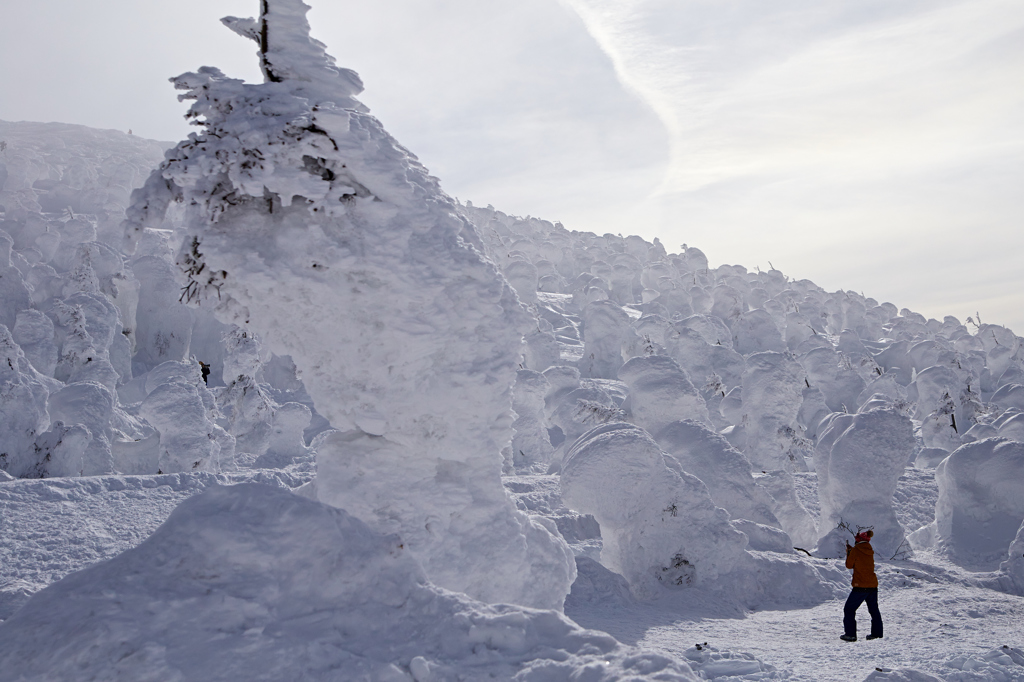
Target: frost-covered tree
<point>310,225</point>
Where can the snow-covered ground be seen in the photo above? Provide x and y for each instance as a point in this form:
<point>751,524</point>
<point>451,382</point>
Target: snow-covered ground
<point>938,619</point>
<point>52,527</point>
<point>291,412</point>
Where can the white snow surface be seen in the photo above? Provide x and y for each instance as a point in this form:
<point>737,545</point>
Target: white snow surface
<point>297,299</point>
<point>253,582</point>
<point>659,524</point>
<point>981,501</point>
<point>660,393</point>
<point>663,533</point>
<point>55,526</point>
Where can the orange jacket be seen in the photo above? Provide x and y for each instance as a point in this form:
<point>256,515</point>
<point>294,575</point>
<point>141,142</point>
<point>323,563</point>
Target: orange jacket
<point>861,558</point>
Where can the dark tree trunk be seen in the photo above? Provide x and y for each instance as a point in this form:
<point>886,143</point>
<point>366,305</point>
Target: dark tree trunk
<point>265,43</point>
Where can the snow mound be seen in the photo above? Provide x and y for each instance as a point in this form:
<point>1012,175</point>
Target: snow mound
<point>253,582</point>
<point>658,523</point>
<point>1013,567</point>
<point>175,406</point>
<point>981,501</point>
<point>1003,664</point>
<point>793,516</point>
<point>722,468</point>
<point>660,393</point>
<point>52,527</point>
<point>596,585</point>
<point>541,497</point>
<point>23,414</point>
<point>531,444</point>
<point>713,664</point>
<point>607,327</point>
<point>773,386</point>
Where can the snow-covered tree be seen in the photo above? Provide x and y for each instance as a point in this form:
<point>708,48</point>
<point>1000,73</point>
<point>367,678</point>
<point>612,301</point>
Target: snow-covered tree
<point>310,225</point>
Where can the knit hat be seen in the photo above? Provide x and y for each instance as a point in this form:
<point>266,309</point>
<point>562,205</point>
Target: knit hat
<point>864,536</point>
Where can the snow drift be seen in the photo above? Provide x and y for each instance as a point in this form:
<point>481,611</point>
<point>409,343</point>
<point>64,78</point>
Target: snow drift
<point>256,583</point>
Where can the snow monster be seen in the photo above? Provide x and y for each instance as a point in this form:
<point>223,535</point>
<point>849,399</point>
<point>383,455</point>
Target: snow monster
<point>309,224</point>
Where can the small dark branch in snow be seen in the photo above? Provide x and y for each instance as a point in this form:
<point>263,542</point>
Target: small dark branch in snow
<point>902,552</point>
<point>801,549</point>
<point>314,128</point>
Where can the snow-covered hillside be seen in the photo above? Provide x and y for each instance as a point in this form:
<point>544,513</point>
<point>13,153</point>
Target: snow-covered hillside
<point>298,414</point>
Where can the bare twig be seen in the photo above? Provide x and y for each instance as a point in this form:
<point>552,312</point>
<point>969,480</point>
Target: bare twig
<point>901,554</point>
<point>845,525</point>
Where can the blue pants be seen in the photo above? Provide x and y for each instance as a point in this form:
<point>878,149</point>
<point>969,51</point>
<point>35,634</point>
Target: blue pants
<point>858,596</point>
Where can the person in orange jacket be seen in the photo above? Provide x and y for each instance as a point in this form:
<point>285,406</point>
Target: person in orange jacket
<point>861,558</point>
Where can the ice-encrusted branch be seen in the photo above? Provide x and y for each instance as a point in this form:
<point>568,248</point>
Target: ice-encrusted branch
<point>262,145</point>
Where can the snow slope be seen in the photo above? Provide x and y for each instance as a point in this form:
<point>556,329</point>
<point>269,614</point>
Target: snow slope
<point>55,526</point>
<point>253,582</point>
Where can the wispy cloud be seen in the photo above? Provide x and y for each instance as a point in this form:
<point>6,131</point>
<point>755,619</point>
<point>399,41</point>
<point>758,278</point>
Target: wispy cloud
<point>838,136</point>
<point>779,93</point>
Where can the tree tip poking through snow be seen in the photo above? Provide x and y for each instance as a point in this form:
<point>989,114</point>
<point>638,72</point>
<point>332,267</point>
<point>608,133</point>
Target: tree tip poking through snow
<point>256,583</point>
<point>307,223</point>
<point>288,53</point>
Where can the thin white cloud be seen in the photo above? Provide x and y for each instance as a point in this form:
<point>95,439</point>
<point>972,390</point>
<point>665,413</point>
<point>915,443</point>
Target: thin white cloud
<point>904,91</point>
<point>838,136</point>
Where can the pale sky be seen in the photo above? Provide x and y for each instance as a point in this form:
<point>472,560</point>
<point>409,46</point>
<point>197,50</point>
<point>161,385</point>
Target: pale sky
<point>868,145</point>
